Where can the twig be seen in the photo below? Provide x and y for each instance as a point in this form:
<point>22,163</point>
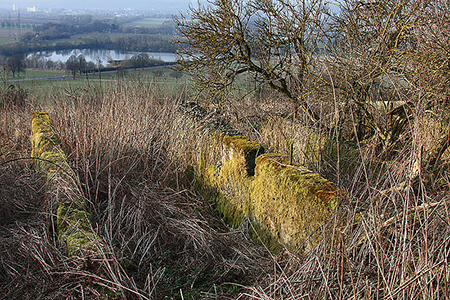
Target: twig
<point>424,206</point>
<point>104,280</point>
<point>392,220</point>
<point>302,170</point>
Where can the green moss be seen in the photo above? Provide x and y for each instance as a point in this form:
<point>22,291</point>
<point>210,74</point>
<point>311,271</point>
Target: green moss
<point>72,217</point>
<point>46,146</point>
<point>209,186</point>
<point>238,159</point>
<point>249,150</point>
<point>211,176</point>
<point>262,236</point>
<point>290,203</point>
<point>286,205</point>
<point>42,137</point>
<point>234,182</point>
<point>74,227</point>
<point>241,142</point>
<point>223,166</point>
<point>231,212</point>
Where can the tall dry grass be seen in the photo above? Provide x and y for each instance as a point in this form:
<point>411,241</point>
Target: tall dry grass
<point>389,236</point>
<point>161,239</point>
<point>130,147</point>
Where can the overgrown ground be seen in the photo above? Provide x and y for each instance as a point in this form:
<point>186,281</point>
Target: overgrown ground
<point>163,240</point>
<point>388,239</point>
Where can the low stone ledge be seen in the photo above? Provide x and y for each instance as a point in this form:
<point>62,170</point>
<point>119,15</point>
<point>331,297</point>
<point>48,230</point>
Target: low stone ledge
<point>289,203</point>
<point>285,204</point>
<point>73,225</point>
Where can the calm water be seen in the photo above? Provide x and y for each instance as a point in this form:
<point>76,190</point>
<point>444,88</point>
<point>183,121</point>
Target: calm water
<point>92,54</point>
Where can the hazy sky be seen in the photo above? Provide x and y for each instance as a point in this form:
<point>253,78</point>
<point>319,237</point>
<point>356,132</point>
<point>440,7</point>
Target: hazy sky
<point>106,4</point>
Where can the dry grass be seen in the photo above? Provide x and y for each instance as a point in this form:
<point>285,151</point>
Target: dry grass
<point>389,237</point>
<point>162,240</point>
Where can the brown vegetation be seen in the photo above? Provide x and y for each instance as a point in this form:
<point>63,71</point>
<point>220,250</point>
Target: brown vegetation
<point>376,124</point>
<point>163,240</point>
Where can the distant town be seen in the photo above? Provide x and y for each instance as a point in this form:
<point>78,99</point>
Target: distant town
<point>16,12</point>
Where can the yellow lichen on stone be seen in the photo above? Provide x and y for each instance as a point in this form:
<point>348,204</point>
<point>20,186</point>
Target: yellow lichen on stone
<point>290,203</point>
<point>232,184</point>
<point>243,147</point>
<point>286,205</point>
<point>73,224</point>
<point>238,163</point>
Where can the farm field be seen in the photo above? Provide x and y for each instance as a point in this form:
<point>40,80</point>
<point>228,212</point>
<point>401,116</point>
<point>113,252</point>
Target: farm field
<point>6,41</point>
<point>30,73</point>
<point>9,36</point>
<point>161,78</point>
<point>146,22</point>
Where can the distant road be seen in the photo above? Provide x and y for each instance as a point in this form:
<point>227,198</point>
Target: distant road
<point>37,78</point>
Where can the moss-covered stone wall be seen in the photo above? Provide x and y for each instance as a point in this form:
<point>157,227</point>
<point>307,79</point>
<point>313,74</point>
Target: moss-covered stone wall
<point>285,204</point>
<point>73,225</point>
<point>289,203</point>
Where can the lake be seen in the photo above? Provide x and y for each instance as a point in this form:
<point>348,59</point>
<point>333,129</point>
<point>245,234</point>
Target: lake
<point>93,54</point>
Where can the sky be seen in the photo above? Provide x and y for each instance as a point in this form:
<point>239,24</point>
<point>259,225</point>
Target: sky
<point>101,4</point>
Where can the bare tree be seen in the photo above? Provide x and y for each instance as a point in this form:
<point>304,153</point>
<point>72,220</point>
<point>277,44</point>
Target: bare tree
<point>372,64</point>
<point>365,60</point>
<point>271,40</point>
<point>72,65</point>
<point>432,68</point>
<point>81,63</point>
<point>16,64</point>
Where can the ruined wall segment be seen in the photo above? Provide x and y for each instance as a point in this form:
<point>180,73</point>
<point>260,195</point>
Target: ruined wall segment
<point>286,205</point>
<point>290,203</point>
<point>72,217</point>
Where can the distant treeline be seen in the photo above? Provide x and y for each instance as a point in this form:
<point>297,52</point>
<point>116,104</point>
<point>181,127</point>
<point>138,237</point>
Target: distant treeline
<point>156,39</point>
<point>54,31</point>
<point>138,43</point>
<point>167,28</point>
<point>141,60</point>
<point>17,64</point>
<point>121,68</point>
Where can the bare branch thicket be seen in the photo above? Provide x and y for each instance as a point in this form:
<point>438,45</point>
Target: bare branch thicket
<point>272,42</point>
<point>431,77</point>
<point>359,60</point>
<point>375,43</point>
<point>389,238</point>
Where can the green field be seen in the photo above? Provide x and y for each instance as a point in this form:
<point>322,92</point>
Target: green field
<point>5,41</point>
<point>41,73</point>
<point>146,22</point>
<point>9,36</point>
<point>162,78</point>
<point>35,74</point>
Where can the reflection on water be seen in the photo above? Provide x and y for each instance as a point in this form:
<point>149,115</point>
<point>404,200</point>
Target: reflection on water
<point>104,55</point>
